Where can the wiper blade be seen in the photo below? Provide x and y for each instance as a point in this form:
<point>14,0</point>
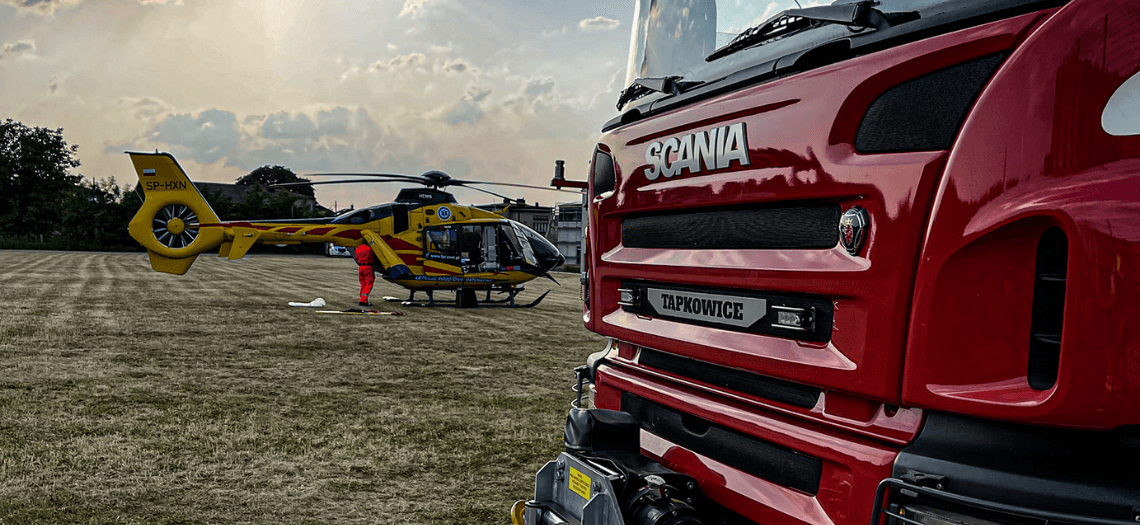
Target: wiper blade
<point>643,86</point>
<point>860,15</point>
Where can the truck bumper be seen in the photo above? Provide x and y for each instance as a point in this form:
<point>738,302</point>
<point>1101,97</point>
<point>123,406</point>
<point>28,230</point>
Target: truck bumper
<point>976,471</point>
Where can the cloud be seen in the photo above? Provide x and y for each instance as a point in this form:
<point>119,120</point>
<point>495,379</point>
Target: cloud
<point>539,87</point>
<point>556,32</point>
<point>407,61</point>
<point>145,108</point>
<point>458,65</point>
<point>598,23</point>
<point>463,112</point>
<point>285,126</point>
<point>209,137</point>
<point>412,8</point>
<point>333,122</point>
<point>41,7</point>
<point>23,47</point>
<point>467,110</point>
<point>48,7</point>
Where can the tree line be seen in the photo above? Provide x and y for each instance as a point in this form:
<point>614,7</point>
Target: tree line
<point>45,205</point>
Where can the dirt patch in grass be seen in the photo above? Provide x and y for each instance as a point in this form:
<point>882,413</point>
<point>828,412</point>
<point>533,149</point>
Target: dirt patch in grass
<point>133,397</point>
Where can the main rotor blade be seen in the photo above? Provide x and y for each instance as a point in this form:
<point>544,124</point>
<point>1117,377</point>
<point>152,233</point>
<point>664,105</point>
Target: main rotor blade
<point>547,188</point>
<point>415,178</point>
<point>487,192</point>
<point>350,181</point>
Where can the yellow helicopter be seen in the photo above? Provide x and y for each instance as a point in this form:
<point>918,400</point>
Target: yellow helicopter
<point>424,240</point>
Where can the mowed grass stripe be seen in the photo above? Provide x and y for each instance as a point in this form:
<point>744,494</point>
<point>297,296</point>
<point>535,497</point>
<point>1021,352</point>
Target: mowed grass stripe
<point>128,396</point>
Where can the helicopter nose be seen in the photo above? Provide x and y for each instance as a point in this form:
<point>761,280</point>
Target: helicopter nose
<point>550,263</point>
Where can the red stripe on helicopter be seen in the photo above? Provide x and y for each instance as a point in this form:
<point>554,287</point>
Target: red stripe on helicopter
<point>348,234</point>
<point>319,231</point>
<point>290,229</point>
<point>234,225</point>
<point>400,244</point>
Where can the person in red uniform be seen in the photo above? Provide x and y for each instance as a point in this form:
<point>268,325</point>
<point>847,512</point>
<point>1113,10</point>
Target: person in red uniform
<point>364,258</point>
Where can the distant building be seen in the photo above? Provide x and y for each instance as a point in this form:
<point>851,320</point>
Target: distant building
<point>565,231</point>
<point>533,216</point>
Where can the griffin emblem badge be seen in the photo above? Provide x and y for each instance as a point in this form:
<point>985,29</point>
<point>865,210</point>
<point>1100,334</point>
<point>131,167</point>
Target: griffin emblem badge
<point>853,229</point>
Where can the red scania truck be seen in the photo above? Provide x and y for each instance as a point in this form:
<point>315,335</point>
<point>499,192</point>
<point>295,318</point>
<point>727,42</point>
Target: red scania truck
<point>863,263</point>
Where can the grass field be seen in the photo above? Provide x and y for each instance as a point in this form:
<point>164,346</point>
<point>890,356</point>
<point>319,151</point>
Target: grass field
<point>133,397</point>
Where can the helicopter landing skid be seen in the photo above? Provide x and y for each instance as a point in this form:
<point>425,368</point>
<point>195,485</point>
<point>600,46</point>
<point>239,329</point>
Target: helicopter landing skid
<point>466,299</point>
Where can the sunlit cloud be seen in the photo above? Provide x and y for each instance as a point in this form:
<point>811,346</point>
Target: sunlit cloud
<point>465,87</point>
<point>598,23</point>
<point>209,137</point>
<point>40,7</point>
<point>408,61</point>
<point>412,8</point>
<point>48,7</point>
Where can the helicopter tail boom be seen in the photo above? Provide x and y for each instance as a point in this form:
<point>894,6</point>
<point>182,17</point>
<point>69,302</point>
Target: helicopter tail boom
<point>169,222</point>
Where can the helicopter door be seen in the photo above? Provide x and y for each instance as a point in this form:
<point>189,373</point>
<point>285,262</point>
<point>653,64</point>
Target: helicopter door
<point>480,253</point>
<point>491,246</point>
<point>441,251</point>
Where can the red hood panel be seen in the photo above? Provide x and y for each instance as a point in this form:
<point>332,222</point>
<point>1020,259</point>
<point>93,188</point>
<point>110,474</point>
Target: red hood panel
<point>800,134</point>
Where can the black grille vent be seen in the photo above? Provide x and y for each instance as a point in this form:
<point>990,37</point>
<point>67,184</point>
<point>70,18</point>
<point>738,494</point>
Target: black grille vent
<point>1048,308</point>
<point>732,379</point>
<point>754,456</point>
<point>399,218</point>
<point>925,113</point>
<point>813,226</point>
<point>604,176</point>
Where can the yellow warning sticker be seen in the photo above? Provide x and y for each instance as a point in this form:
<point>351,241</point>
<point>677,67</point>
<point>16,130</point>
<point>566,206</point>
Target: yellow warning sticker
<point>579,483</point>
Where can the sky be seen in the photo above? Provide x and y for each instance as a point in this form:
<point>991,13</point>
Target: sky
<point>481,89</point>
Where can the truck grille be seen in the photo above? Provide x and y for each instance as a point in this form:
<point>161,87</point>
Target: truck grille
<point>808,226</point>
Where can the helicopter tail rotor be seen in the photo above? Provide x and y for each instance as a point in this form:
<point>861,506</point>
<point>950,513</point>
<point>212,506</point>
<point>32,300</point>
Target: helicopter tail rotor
<point>175,222</point>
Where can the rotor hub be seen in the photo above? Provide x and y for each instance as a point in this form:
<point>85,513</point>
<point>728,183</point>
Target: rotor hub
<point>176,226</point>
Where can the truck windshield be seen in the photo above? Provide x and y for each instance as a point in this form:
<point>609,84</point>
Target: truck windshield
<point>685,40</point>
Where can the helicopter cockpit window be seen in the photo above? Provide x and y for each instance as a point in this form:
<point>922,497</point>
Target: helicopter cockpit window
<point>527,251</point>
<point>443,242</point>
<point>510,251</point>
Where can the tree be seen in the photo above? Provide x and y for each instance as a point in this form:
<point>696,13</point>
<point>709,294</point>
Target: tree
<point>34,178</point>
<point>96,215</point>
<point>270,175</point>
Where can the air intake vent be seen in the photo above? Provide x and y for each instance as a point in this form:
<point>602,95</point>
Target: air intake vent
<point>604,176</point>
<point>767,387</point>
<point>757,457</point>
<point>925,113</point>
<point>812,226</point>
<point>399,218</point>
<point>1048,309</point>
